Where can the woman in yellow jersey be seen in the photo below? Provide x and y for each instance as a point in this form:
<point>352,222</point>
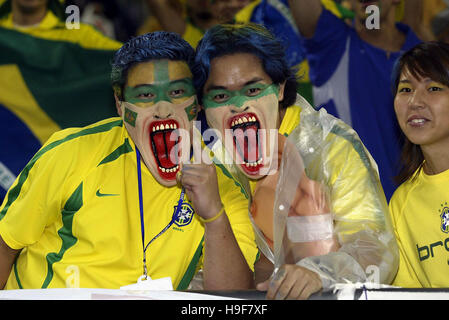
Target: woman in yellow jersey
<point>318,209</point>
<point>420,206</point>
<point>109,205</point>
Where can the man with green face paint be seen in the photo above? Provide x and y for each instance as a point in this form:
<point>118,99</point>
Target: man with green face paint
<point>114,201</point>
<point>318,209</point>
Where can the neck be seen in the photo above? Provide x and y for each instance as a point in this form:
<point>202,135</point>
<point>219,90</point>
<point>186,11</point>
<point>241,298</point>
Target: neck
<point>27,17</point>
<point>387,37</point>
<point>437,159</point>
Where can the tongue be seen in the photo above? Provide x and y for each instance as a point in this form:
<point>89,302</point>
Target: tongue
<point>246,143</point>
<point>164,145</point>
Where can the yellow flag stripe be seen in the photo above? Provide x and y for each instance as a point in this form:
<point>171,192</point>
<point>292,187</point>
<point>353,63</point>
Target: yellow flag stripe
<point>19,100</point>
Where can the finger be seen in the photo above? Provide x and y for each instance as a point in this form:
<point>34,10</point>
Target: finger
<point>310,288</point>
<point>179,174</point>
<point>263,286</point>
<point>275,283</point>
<point>297,290</point>
<point>191,180</point>
<point>287,288</point>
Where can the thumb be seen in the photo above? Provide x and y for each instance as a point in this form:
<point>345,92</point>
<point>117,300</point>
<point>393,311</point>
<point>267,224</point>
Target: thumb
<point>263,286</point>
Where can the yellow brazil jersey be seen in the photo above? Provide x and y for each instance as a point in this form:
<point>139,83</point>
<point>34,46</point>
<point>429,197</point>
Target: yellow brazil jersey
<point>420,214</point>
<point>51,28</point>
<point>74,212</point>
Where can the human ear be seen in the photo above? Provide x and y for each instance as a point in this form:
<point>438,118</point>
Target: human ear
<point>281,91</point>
<point>118,105</point>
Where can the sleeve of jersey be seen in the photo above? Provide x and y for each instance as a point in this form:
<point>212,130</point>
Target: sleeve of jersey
<point>236,205</point>
<point>33,201</point>
<point>367,247</point>
<point>325,49</point>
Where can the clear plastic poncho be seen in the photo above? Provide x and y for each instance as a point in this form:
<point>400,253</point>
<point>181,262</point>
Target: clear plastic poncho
<point>326,210</point>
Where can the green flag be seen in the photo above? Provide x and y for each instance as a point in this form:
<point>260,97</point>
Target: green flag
<point>45,86</point>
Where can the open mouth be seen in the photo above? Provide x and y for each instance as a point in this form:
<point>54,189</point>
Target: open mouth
<point>246,136</point>
<point>165,144</point>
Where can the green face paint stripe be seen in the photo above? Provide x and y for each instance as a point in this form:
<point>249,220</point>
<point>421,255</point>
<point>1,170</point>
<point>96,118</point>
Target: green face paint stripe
<point>190,272</point>
<point>15,191</point>
<point>161,71</point>
<point>72,206</point>
<point>160,93</point>
<point>124,148</point>
<point>161,88</point>
<point>130,117</point>
<point>131,94</point>
<point>161,79</point>
<point>238,97</point>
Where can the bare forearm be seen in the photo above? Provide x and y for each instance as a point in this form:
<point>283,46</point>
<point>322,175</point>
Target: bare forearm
<point>7,256</point>
<point>306,14</point>
<point>225,267</point>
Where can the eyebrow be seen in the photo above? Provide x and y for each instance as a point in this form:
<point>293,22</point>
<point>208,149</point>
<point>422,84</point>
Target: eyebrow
<point>216,87</point>
<point>183,80</point>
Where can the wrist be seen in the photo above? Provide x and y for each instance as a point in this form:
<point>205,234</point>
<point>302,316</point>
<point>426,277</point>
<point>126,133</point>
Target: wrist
<point>215,217</point>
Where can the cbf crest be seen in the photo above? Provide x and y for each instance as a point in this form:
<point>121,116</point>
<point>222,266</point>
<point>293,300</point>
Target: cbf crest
<point>444,218</point>
<point>185,215</point>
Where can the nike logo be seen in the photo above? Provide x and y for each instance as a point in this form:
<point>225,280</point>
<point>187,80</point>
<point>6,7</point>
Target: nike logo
<point>99,194</point>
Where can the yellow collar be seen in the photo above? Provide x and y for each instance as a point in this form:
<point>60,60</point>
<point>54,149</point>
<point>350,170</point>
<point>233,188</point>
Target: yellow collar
<point>291,120</point>
<point>50,21</point>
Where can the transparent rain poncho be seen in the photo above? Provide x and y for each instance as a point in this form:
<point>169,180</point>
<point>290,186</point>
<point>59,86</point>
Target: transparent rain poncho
<point>324,209</point>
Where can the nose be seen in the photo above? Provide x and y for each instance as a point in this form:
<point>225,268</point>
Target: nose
<point>416,100</point>
<point>235,109</point>
<point>163,110</point>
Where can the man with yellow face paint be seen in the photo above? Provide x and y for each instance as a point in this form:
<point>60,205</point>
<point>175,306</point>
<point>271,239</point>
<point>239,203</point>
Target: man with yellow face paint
<point>318,208</point>
<point>113,204</point>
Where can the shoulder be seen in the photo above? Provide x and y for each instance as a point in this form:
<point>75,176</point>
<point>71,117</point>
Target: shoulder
<point>401,194</point>
<point>400,197</point>
<point>104,134</point>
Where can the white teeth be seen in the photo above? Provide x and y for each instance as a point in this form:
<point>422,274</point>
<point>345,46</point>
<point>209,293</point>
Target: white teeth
<point>174,169</point>
<point>253,164</point>
<point>418,121</point>
<point>243,119</point>
<point>165,127</point>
